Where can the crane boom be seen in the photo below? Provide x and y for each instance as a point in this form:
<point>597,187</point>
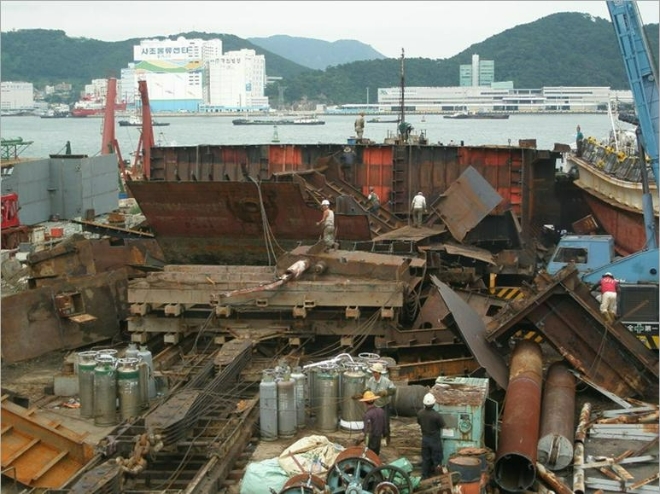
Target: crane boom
<point>643,79</point>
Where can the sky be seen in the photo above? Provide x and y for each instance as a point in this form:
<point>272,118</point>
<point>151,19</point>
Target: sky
<point>430,29</point>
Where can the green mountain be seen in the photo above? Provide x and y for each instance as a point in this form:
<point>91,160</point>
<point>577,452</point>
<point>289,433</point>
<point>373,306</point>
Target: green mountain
<point>565,49</point>
<point>315,53</point>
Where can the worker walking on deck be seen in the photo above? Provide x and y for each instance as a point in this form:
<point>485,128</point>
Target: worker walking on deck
<point>431,423</point>
<point>373,200</point>
<point>359,126</point>
<point>384,389</point>
<point>609,288</point>
<point>418,207</point>
<point>328,222</point>
<point>374,423</point>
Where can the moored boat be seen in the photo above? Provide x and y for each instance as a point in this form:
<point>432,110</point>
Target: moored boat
<point>136,121</point>
<point>93,107</point>
<point>478,115</point>
<point>296,121</point>
<point>609,175</point>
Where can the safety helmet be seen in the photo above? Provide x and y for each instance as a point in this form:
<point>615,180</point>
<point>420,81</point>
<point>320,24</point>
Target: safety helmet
<point>429,400</point>
<point>369,396</point>
<point>420,193</point>
<point>378,367</point>
<point>608,274</point>
<point>325,202</point>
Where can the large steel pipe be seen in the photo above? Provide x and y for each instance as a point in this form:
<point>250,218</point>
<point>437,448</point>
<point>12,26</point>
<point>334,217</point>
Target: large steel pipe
<point>555,448</point>
<point>515,463</point>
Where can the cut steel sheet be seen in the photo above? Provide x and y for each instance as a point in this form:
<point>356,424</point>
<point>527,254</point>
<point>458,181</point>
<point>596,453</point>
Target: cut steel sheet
<point>472,328</point>
<point>466,202</point>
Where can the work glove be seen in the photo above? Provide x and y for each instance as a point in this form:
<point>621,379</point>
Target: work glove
<point>357,396</point>
<point>383,393</point>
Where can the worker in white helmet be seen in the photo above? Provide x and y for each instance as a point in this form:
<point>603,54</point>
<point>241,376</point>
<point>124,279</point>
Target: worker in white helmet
<point>418,207</point>
<point>431,423</point>
<point>328,222</point>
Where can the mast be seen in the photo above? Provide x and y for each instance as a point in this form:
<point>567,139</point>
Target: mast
<point>403,85</point>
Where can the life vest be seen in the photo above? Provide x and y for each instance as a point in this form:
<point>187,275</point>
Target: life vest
<point>607,284</point>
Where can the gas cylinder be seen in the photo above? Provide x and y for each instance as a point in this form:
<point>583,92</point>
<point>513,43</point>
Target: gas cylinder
<point>327,389</point>
<point>299,384</point>
<point>146,357</point>
<point>268,406</point>
<point>132,351</point>
<point>128,384</point>
<point>86,365</point>
<point>352,383</point>
<point>286,406</point>
<point>105,390</point>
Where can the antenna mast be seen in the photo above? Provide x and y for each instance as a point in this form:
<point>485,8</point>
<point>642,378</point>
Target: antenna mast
<point>403,85</point>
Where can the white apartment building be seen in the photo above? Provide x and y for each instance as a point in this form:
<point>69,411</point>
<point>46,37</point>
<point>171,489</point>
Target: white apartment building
<point>235,82</point>
<point>496,98</point>
<point>173,70</point>
<point>16,96</point>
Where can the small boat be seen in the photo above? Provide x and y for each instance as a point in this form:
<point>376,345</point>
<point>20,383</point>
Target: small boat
<point>381,120</point>
<point>297,121</point>
<point>135,121</point>
<point>478,115</point>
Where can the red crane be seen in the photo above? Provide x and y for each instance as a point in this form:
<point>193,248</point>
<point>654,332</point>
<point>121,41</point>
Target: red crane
<point>143,153</point>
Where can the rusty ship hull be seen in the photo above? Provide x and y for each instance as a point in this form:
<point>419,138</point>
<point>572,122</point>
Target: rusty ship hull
<point>612,188</point>
<point>204,202</point>
<point>234,222</point>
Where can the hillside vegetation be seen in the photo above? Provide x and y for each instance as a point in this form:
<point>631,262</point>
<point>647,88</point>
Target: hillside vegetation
<point>564,49</point>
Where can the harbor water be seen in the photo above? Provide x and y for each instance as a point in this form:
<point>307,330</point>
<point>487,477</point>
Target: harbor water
<point>50,136</point>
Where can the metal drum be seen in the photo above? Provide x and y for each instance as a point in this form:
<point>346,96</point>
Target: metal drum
<point>327,389</point>
<point>128,388</point>
<point>300,380</point>
<point>286,406</point>
<point>145,355</point>
<point>105,390</point>
<point>352,411</point>
<point>268,406</point>
<point>86,365</point>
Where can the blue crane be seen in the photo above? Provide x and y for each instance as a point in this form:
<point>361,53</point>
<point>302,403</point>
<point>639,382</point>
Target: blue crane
<point>643,79</point>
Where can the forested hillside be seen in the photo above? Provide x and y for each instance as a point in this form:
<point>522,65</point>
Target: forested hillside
<point>565,49</point>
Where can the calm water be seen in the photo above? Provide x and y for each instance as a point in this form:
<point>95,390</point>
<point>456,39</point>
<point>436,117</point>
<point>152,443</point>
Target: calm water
<point>49,136</point>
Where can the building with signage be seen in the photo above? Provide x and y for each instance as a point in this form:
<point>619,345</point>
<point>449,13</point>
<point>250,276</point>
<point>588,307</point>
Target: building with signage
<point>173,70</point>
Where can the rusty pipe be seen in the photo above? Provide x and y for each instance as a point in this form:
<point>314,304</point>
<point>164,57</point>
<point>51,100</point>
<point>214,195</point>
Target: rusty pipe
<point>515,463</point>
<point>583,424</point>
<point>555,447</point>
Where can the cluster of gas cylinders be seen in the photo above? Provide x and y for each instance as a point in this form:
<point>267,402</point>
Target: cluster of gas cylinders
<point>322,391</point>
<point>112,388</point>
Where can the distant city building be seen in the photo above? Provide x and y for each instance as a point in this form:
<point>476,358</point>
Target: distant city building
<point>98,89</point>
<point>173,70</point>
<point>478,73</point>
<point>16,96</point>
<point>494,98</point>
<point>235,82</point>
<point>194,75</point>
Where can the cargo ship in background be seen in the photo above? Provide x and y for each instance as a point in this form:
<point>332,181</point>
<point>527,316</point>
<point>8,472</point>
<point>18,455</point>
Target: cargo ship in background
<point>89,107</point>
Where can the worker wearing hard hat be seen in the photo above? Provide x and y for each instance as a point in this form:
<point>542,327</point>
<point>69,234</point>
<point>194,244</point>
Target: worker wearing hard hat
<point>328,222</point>
<point>382,387</point>
<point>431,423</point>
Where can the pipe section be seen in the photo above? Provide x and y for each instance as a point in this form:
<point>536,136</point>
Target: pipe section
<point>555,447</point>
<point>515,463</point>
